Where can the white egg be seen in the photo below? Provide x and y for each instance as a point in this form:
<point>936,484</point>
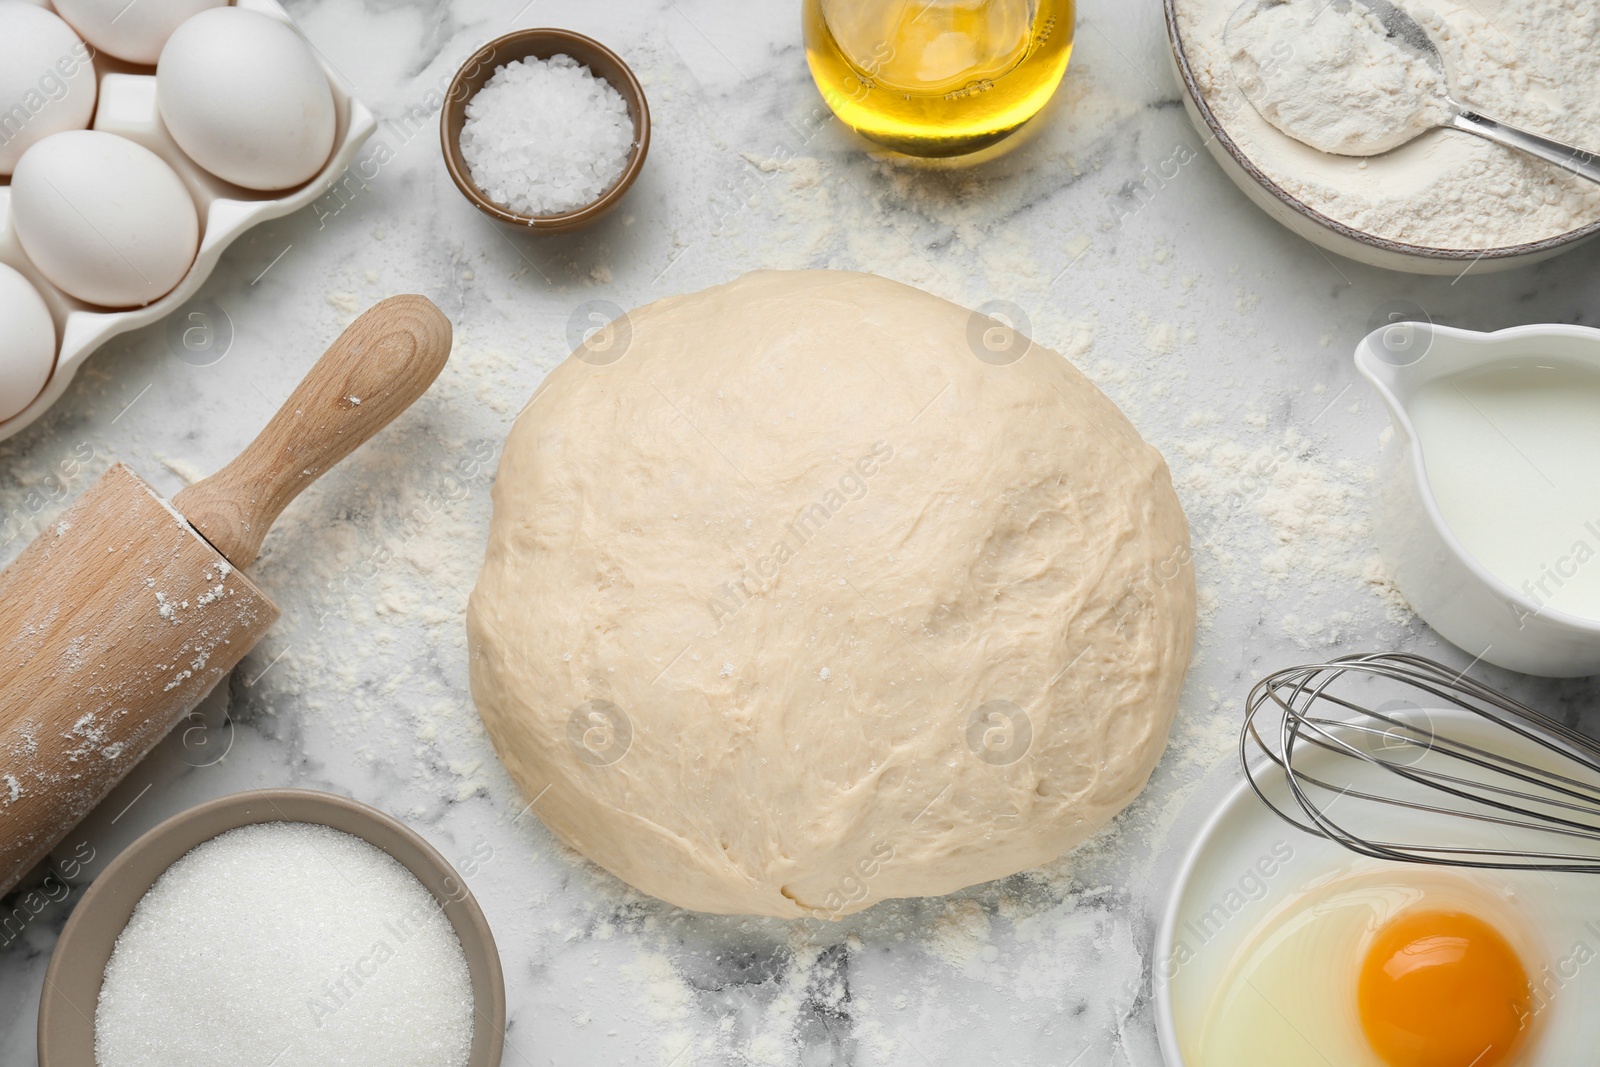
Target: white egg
<point>245,98</point>
<point>133,30</point>
<point>106,220</point>
<point>47,81</point>
<point>27,342</point>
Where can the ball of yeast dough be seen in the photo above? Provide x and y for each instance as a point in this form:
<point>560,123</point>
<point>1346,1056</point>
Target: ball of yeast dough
<point>793,603</point>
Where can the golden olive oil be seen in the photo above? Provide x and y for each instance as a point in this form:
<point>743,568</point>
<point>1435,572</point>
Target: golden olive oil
<point>937,77</point>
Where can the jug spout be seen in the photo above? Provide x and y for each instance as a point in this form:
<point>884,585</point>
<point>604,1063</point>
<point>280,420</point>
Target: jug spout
<point>1488,508</point>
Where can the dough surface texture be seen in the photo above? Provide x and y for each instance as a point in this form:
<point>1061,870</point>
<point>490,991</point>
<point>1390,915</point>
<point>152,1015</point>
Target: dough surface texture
<point>813,589</point>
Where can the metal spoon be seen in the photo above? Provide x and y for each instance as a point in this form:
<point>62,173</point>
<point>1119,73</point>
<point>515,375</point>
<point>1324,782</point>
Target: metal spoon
<point>1404,29</point>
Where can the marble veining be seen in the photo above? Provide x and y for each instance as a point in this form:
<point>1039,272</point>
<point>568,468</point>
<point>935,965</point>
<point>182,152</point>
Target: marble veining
<point>1225,338</point>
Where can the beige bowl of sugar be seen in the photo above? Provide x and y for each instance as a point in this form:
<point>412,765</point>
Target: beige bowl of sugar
<point>281,926</point>
<point>1447,202</point>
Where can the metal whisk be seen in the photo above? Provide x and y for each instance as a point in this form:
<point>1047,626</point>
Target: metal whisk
<point>1397,757</point>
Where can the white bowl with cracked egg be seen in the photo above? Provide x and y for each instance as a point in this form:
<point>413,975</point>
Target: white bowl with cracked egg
<point>1249,877</point>
<point>127,107</point>
<point>1228,124</point>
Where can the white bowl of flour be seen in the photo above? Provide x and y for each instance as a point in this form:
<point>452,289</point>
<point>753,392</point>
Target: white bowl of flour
<point>1446,200</point>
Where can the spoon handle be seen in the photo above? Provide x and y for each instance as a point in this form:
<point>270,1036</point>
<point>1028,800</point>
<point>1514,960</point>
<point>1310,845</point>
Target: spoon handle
<point>1583,164</point>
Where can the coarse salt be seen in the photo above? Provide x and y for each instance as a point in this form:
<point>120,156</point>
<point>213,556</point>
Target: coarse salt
<point>290,944</point>
<point>545,136</point>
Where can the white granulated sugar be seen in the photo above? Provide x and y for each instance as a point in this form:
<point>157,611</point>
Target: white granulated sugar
<point>1335,79</point>
<point>1532,64</point>
<point>288,944</point>
<point>545,136</point>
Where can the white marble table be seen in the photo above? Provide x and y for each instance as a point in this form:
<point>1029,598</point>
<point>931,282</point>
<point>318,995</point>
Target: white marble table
<point>1225,338</point>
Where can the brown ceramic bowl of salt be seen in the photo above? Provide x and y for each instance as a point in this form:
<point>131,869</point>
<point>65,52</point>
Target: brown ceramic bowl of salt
<point>77,971</point>
<point>542,44</point>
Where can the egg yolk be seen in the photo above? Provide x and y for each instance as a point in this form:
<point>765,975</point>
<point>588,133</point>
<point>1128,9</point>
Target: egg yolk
<point>1443,989</point>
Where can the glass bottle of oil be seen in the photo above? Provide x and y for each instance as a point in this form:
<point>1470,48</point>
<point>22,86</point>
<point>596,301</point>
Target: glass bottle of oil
<point>937,77</point>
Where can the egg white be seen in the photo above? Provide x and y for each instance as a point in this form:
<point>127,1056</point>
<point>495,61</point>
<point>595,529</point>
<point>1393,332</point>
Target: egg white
<point>1288,996</point>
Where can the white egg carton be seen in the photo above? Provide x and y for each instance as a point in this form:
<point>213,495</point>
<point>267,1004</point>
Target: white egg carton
<point>127,106</point>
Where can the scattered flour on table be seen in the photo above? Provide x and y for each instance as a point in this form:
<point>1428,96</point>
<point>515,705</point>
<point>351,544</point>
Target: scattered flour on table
<point>183,469</point>
<point>373,570</point>
<point>1285,524</point>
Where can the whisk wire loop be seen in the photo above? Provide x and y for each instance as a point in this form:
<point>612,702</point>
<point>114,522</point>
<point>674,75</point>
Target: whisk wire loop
<point>1326,746</point>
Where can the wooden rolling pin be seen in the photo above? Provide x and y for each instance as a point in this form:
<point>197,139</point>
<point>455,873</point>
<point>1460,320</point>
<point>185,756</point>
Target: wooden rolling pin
<point>120,618</point>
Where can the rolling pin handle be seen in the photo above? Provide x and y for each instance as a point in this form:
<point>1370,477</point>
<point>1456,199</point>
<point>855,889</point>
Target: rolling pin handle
<point>382,362</point>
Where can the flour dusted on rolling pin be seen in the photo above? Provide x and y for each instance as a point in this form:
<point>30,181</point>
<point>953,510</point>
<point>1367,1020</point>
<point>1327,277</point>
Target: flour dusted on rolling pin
<point>113,624</point>
<point>118,626</point>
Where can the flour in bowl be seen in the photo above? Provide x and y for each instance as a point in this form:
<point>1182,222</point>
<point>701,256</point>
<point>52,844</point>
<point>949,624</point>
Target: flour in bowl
<point>1533,64</point>
<point>1333,78</point>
